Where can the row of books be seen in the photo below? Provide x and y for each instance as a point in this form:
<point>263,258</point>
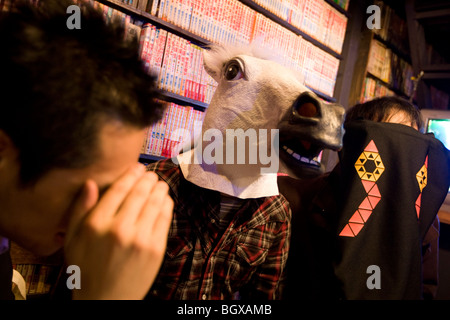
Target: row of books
<point>393,28</point>
<point>379,61</point>
<point>374,89</point>
<point>176,128</point>
<point>315,17</point>
<point>321,68</point>
<point>227,22</point>
<point>231,22</point>
<point>390,68</point>
<point>177,62</point>
<point>39,279</point>
<point>317,67</point>
<point>401,74</point>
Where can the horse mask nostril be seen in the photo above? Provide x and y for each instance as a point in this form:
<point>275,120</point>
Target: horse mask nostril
<point>306,108</point>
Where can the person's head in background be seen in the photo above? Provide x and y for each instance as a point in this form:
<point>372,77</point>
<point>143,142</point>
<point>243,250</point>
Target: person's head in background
<point>387,109</point>
<point>74,104</point>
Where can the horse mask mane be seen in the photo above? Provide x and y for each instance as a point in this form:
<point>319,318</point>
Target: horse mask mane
<point>261,120</point>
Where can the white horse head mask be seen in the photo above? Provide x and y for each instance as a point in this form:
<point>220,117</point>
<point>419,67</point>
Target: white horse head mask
<point>258,106</point>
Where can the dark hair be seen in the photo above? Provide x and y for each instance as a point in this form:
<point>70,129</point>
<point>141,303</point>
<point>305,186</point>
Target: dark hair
<point>58,87</point>
<point>382,109</point>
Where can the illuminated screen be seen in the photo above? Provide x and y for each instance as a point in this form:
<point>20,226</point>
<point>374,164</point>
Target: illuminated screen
<point>441,130</point>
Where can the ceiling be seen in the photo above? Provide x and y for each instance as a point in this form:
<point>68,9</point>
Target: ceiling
<point>434,16</point>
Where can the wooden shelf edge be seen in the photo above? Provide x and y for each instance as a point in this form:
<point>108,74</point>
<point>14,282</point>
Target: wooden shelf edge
<point>172,97</point>
<point>322,95</point>
<point>157,22</point>
<point>338,8</point>
<point>184,101</point>
<point>150,157</point>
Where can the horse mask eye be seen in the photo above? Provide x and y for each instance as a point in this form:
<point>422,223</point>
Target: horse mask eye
<point>233,70</point>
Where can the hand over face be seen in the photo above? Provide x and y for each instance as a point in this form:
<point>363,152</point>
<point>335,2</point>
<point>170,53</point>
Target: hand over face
<point>119,240</point>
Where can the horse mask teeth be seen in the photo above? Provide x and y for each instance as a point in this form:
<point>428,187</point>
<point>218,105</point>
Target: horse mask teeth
<point>260,103</point>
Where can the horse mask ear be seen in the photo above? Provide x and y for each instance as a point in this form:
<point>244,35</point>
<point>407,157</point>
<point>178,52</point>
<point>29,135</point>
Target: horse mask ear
<point>211,64</point>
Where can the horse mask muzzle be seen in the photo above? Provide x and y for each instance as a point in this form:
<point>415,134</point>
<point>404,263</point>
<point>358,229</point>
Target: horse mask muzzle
<point>308,127</point>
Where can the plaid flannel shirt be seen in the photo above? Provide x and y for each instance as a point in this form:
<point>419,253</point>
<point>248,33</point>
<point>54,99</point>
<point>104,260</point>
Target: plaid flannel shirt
<point>246,260</point>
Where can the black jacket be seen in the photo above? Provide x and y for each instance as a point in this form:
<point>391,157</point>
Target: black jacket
<point>335,238</point>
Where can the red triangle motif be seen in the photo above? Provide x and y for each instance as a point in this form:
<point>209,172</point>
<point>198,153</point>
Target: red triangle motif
<point>356,227</point>
<point>371,147</point>
<point>375,192</point>
<point>426,162</point>
<point>417,211</point>
<point>367,185</point>
<point>365,214</point>
<point>365,204</point>
<point>356,218</point>
<point>419,200</point>
<point>374,201</point>
<point>346,232</point>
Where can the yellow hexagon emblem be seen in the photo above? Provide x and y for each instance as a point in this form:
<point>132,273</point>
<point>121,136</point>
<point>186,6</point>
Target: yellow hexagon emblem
<point>369,166</point>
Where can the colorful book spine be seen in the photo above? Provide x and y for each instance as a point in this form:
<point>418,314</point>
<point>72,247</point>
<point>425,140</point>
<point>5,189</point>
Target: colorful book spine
<point>150,139</point>
<point>166,137</point>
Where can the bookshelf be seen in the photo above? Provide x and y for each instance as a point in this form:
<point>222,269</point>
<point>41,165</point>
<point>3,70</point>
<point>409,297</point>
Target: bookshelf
<point>428,26</point>
<point>388,58</point>
<point>203,42</point>
<point>128,9</point>
<point>383,64</point>
<point>287,25</point>
<point>147,17</point>
<point>316,27</point>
